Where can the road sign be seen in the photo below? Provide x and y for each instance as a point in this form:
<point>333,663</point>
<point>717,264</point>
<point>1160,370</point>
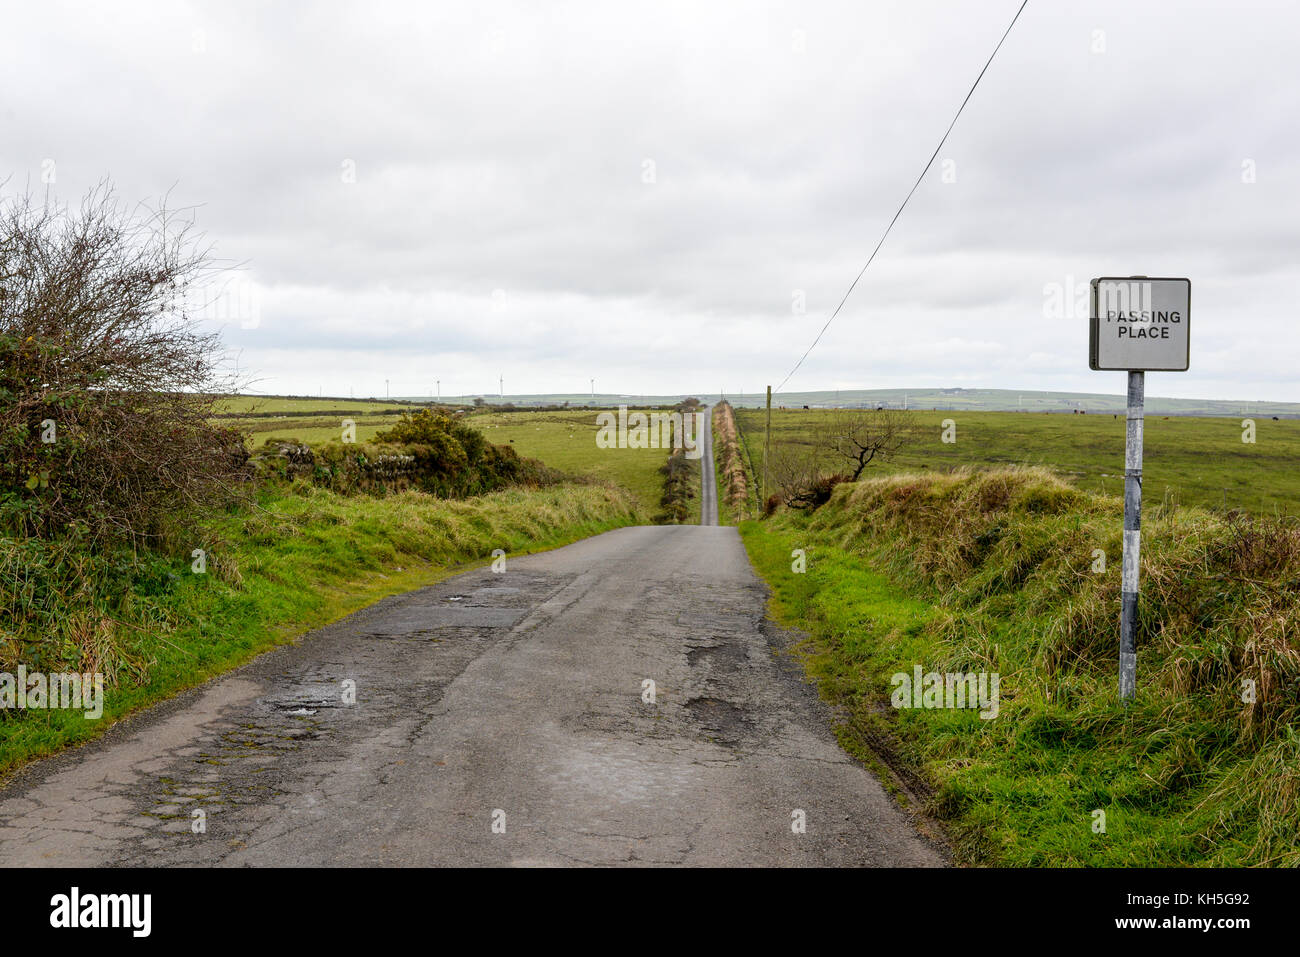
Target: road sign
<point>1137,324</point>
<point>1140,323</point>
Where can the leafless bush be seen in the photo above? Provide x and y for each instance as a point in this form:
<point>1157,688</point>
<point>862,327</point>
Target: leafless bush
<point>798,479</point>
<point>859,437</point>
<point>106,380</point>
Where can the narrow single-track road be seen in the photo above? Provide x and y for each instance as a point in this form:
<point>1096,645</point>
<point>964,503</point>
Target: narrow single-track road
<point>499,719</point>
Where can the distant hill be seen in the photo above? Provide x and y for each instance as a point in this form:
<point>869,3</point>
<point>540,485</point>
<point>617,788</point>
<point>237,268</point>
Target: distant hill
<point>975,400</point>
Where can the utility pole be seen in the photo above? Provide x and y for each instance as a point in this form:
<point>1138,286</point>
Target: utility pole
<point>767,447</point>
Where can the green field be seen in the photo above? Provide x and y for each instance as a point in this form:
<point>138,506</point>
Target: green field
<point>1197,461</point>
<point>313,421</point>
<point>564,439</point>
<point>313,430</point>
<point>266,405</point>
<point>567,441</point>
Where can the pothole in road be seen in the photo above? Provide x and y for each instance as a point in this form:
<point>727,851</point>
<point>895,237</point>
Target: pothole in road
<point>306,698</point>
<point>724,656</point>
<point>418,620</point>
<point>727,721</point>
<point>492,591</point>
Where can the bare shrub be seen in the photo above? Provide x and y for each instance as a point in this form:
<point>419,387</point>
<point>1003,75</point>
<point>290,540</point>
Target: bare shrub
<point>858,437</point>
<point>798,478</point>
<point>107,383</point>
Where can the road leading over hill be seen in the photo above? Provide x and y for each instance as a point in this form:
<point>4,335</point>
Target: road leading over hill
<point>708,486</point>
<point>517,698</point>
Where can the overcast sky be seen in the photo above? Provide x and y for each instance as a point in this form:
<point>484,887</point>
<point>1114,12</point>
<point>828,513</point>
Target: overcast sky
<point>644,192</point>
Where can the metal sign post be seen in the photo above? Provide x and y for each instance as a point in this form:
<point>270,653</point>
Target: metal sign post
<point>1137,323</point>
<point>1132,536</point>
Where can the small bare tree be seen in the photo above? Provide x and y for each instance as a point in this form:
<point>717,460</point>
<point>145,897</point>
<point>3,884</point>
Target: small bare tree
<point>858,437</point>
<point>107,381</point>
<point>797,477</point>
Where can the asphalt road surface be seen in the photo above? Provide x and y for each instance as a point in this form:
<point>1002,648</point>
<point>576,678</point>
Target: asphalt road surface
<point>499,719</point>
<point>708,487</point>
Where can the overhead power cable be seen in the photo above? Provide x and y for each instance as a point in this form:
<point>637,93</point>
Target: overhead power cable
<point>928,164</point>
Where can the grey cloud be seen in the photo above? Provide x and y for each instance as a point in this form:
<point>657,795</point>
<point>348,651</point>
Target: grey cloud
<point>501,146</point>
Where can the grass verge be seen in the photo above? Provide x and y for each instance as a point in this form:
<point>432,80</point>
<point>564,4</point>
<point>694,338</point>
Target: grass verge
<point>998,572</point>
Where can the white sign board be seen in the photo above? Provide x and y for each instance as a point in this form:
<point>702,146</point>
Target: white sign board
<point>1139,323</point>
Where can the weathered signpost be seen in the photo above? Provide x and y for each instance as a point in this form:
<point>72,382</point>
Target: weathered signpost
<point>1137,324</point>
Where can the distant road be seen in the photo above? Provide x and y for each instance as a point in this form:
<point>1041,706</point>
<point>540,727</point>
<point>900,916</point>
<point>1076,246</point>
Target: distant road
<point>708,487</point>
<point>519,698</point>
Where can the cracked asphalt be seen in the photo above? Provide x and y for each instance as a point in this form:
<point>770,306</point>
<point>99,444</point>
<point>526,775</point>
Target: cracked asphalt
<point>499,719</point>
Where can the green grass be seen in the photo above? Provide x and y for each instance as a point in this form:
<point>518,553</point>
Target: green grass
<point>295,562</point>
<point>567,441</point>
<point>314,430</point>
<point>313,421</point>
<point>993,572</point>
<point>727,514</point>
<point>1199,461</point>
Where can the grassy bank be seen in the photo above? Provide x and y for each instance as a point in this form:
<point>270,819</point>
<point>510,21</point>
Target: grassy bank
<point>294,562</point>
<point>998,572</point>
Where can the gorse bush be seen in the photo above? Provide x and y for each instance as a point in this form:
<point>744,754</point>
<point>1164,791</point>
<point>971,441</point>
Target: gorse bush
<point>426,451</point>
<point>453,459</point>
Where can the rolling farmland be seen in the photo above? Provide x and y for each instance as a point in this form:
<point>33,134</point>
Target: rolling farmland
<point>1197,461</point>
